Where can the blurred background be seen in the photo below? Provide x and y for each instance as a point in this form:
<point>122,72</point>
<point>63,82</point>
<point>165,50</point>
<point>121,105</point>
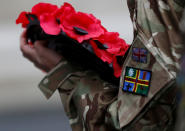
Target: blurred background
<point>22,106</point>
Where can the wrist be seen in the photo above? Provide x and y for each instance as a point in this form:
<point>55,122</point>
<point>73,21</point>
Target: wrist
<point>54,62</point>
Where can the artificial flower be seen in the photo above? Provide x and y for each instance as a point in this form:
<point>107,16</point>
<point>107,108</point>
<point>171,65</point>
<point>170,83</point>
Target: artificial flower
<point>81,26</point>
<point>116,45</point>
<point>111,45</point>
<point>116,67</point>
<point>64,11</point>
<point>101,53</point>
<point>43,8</point>
<point>97,21</point>
<point>22,19</point>
<point>50,22</point>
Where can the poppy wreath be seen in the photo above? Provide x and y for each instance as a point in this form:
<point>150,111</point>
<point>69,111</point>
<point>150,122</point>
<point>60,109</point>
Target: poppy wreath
<point>78,36</point>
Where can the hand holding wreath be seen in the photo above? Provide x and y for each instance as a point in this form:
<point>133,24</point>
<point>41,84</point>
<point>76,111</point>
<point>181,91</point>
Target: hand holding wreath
<point>41,56</point>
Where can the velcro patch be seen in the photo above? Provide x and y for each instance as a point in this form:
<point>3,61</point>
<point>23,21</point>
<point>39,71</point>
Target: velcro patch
<point>137,81</point>
<point>139,55</point>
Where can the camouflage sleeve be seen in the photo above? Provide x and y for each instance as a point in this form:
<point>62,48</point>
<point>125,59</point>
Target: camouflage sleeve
<point>181,87</point>
<point>181,98</point>
<point>89,102</point>
<point>92,104</point>
<point>50,82</point>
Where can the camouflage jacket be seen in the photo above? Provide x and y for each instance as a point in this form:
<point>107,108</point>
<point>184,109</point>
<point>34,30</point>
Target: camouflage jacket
<point>146,97</point>
<point>181,98</point>
<point>181,87</point>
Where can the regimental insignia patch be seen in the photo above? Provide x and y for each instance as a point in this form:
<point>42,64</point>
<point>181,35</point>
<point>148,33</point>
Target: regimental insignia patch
<point>137,81</point>
<point>139,55</point>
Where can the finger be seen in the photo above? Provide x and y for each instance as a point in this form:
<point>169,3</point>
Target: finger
<point>40,46</point>
<point>23,40</point>
<point>40,43</point>
<point>25,49</point>
<point>29,53</point>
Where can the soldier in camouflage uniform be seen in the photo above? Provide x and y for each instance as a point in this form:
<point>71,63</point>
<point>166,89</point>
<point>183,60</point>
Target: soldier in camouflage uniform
<point>96,105</point>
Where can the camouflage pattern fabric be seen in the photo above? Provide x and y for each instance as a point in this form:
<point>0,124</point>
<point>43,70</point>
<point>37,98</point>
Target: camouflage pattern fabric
<point>51,81</point>
<point>181,98</point>
<point>181,87</point>
<point>96,105</point>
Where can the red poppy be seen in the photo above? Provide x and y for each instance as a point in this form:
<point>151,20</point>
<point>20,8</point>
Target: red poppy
<point>116,67</point>
<point>50,22</point>
<point>64,10</point>
<point>113,46</point>
<point>43,8</point>
<point>81,26</point>
<point>107,57</point>
<point>22,19</point>
<point>102,54</point>
<point>116,45</point>
<point>97,21</point>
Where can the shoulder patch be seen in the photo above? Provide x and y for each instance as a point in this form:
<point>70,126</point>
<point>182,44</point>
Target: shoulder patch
<point>139,55</point>
<point>137,81</point>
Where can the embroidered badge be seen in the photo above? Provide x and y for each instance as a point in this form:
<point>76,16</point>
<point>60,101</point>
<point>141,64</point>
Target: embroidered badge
<point>137,81</point>
<point>139,55</point>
